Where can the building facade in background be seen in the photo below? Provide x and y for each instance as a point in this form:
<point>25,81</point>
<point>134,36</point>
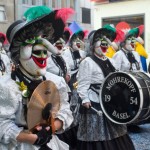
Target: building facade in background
<point>133,12</point>
<point>11,10</point>
<point>83,8</point>
<point>7,14</point>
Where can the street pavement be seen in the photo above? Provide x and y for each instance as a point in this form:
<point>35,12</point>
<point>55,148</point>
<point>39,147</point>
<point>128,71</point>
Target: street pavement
<point>141,139</point>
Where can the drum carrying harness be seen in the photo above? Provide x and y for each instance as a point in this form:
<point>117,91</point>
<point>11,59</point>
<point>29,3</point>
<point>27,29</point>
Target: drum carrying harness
<point>2,66</point>
<point>75,56</point>
<point>106,68</point>
<point>131,59</point>
<point>61,64</point>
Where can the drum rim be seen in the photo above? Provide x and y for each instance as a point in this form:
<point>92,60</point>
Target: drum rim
<point>140,93</point>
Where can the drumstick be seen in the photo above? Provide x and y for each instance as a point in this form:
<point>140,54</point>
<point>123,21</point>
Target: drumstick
<point>97,111</point>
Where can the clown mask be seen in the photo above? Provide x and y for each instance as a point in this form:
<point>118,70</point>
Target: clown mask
<point>101,47</point>
<point>130,43</point>
<point>60,45</point>
<point>34,59</point>
<point>78,44</point>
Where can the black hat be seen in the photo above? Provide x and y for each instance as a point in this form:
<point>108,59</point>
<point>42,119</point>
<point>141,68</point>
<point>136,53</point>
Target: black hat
<point>66,34</point>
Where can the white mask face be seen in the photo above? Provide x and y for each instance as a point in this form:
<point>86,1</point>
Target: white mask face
<point>78,44</point>
<point>34,59</point>
<point>74,46</point>
<point>59,47</point>
<point>130,44</point>
<point>98,49</point>
<point>101,47</point>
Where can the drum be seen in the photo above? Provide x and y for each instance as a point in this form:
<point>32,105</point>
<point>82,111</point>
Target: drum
<point>125,97</point>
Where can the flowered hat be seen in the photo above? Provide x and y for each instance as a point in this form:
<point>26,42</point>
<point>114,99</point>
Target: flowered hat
<point>38,21</point>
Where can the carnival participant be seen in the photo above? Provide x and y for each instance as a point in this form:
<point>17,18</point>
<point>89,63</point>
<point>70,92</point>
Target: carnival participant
<point>74,54</point>
<point>96,132</point>
<point>5,63</point>
<point>127,59</point>
<point>29,51</point>
<point>57,64</point>
<point>139,48</point>
<point>114,46</point>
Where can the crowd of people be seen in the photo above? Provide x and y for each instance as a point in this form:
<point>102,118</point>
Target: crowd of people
<point>41,49</point>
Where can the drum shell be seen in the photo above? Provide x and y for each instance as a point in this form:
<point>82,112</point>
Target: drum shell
<point>145,85</point>
<point>141,82</point>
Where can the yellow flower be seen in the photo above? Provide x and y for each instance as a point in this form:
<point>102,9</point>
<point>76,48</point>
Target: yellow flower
<point>22,86</point>
<point>24,89</point>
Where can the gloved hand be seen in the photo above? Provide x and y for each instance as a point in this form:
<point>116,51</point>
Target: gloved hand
<point>44,135</point>
<point>46,111</point>
<point>108,40</point>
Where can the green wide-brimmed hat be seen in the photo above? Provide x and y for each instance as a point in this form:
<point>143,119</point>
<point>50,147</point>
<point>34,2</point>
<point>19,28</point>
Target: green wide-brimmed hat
<point>132,32</point>
<point>107,31</point>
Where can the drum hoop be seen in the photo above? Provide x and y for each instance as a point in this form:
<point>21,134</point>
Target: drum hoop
<point>141,98</point>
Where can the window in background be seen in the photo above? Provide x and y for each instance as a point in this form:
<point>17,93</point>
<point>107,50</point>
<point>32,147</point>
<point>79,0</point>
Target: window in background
<point>133,21</point>
<point>72,4</point>
<point>44,2</point>
<point>26,1</point>
<point>53,3</point>
<point>33,2</point>
<point>23,1</point>
<point>86,15</point>
<point>2,13</point>
<point>63,3</point>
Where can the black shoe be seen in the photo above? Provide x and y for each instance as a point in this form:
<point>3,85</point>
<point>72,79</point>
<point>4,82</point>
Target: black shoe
<point>134,128</point>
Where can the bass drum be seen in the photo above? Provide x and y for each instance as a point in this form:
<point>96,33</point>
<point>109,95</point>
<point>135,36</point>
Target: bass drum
<point>125,97</point>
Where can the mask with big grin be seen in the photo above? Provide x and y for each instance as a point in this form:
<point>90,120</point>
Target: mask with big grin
<point>101,47</point>
<point>104,46</point>
<point>40,57</point>
<point>130,43</point>
<point>34,59</point>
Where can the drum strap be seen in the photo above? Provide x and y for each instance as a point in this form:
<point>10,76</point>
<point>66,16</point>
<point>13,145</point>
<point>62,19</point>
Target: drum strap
<point>2,66</point>
<point>95,88</point>
<point>131,59</point>
<point>105,65</point>
<point>75,56</point>
<point>61,64</point>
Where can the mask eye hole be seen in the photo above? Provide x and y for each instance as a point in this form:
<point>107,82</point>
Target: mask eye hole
<point>39,52</point>
<point>129,39</point>
<point>44,52</point>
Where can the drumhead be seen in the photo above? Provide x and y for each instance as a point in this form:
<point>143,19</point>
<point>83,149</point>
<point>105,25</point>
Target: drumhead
<point>121,97</point>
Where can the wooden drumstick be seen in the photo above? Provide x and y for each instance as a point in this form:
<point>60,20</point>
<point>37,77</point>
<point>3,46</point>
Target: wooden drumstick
<point>99,112</point>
